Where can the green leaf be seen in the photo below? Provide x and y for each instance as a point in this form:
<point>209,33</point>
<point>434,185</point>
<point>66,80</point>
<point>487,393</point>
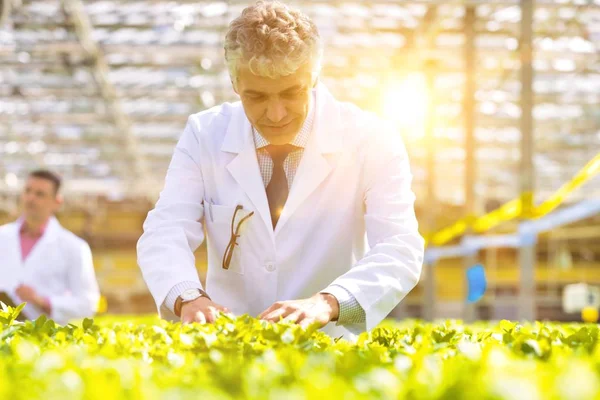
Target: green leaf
<point>143,357</point>
<point>19,309</point>
<point>40,322</point>
<point>87,323</point>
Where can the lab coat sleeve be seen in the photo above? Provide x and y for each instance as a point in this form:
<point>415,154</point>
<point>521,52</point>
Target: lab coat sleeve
<point>173,229</point>
<point>82,296</point>
<point>392,266</point>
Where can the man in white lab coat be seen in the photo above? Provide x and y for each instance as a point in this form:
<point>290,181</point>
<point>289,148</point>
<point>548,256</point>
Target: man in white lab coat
<point>43,264</point>
<point>306,200</point>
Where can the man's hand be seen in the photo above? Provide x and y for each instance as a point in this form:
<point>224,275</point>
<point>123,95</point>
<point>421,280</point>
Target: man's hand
<point>320,308</point>
<point>201,310</point>
<point>29,295</point>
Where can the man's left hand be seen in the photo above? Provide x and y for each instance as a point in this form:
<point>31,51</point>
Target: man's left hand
<point>320,308</point>
<point>29,295</point>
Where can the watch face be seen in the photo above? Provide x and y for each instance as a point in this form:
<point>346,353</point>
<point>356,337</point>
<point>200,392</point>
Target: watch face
<point>190,294</point>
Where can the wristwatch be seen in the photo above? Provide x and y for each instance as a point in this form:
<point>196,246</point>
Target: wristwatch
<point>188,296</point>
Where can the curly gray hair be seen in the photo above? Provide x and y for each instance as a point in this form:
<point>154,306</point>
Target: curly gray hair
<point>272,40</point>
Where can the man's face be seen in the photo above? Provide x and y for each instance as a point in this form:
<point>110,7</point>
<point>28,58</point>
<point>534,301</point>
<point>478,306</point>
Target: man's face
<point>39,199</point>
<point>277,108</point>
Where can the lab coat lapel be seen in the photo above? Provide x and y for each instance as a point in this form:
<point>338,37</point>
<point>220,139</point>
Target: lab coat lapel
<point>49,238</point>
<point>244,167</point>
<point>319,155</point>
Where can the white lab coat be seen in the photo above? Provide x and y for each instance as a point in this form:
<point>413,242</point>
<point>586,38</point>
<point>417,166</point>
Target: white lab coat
<point>353,184</point>
<point>59,267</point>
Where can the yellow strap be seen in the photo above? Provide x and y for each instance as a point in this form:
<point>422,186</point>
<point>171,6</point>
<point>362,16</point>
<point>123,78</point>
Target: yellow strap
<point>513,209</point>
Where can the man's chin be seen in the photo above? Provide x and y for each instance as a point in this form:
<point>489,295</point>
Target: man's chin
<point>279,137</point>
<point>32,215</point>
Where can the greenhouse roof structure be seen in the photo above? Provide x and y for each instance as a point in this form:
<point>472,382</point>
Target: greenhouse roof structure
<point>100,90</point>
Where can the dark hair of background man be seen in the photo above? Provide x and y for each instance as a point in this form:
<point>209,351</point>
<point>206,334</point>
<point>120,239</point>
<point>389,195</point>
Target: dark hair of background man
<point>49,176</point>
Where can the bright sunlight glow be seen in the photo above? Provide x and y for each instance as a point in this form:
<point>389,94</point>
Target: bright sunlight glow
<point>405,102</point>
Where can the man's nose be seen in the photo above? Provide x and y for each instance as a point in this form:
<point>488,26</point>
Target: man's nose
<point>276,111</point>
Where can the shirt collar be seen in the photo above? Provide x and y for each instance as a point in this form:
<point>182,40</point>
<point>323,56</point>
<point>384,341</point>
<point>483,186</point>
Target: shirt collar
<point>301,138</point>
<point>40,232</point>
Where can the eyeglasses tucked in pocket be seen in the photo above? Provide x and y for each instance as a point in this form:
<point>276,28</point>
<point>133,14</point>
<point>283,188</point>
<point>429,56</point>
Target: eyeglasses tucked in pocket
<point>235,234</point>
<point>225,227</point>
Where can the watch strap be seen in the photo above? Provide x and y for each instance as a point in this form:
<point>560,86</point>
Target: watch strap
<point>180,302</point>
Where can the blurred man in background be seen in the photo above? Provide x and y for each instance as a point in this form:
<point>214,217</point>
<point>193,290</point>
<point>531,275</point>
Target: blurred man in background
<point>287,182</point>
<point>43,264</point>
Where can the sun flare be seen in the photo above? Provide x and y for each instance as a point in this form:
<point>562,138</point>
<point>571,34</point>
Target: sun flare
<point>406,103</point>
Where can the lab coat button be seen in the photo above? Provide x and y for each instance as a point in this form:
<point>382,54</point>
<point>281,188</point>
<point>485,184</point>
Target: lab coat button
<point>270,266</point>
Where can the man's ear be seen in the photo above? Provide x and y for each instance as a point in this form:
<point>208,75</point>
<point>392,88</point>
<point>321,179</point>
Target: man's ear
<point>60,200</point>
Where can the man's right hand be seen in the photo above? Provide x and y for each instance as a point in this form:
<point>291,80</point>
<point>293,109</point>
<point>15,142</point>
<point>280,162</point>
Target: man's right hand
<point>201,310</point>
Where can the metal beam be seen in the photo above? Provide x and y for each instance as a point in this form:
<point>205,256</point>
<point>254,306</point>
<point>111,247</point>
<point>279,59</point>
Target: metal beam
<point>469,312</point>
<point>431,69</point>
<point>544,3</point>
<point>576,233</point>
<point>83,29</point>
<point>5,6</point>
<point>527,256</point>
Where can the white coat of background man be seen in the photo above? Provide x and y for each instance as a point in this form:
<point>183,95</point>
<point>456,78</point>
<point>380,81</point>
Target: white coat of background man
<point>42,263</point>
<point>325,228</point>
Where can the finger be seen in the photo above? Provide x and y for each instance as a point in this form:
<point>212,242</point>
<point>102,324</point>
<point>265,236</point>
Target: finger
<point>276,315</point>
<point>215,313</point>
<point>185,319</point>
<point>273,307</point>
<point>224,311</point>
<point>194,317</point>
<point>306,322</point>
<point>222,308</point>
<point>200,317</point>
<point>212,314</point>
<point>295,317</point>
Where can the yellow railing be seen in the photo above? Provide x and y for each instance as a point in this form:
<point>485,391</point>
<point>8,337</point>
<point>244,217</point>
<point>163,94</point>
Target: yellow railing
<point>512,209</point>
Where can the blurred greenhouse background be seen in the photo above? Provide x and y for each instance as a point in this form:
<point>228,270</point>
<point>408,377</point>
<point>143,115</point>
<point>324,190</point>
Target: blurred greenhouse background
<point>494,99</point>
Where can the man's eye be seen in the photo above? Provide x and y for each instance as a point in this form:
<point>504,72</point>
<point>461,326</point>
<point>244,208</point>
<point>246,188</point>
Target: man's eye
<point>292,95</point>
<point>256,97</point>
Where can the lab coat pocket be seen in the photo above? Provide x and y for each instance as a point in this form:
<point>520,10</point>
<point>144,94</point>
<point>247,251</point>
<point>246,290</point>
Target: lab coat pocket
<point>222,224</point>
